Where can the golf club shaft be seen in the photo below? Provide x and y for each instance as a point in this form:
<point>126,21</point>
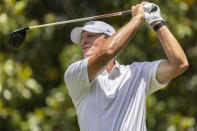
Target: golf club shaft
<point>128,12</point>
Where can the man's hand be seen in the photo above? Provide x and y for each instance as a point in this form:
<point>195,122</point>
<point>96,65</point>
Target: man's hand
<point>138,12</point>
<point>154,16</point>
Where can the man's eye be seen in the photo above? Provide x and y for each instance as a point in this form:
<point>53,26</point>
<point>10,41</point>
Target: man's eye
<point>90,36</point>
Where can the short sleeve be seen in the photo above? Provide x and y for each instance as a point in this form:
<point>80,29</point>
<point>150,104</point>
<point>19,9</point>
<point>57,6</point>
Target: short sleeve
<point>153,85</point>
<point>76,79</point>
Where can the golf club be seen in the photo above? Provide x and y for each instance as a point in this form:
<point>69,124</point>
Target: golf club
<point>17,37</point>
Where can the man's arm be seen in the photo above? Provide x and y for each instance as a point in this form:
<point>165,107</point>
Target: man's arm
<point>176,60</point>
<point>116,43</point>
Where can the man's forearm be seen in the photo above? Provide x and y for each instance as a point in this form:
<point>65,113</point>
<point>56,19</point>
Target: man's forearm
<point>118,42</point>
<point>111,48</point>
<point>172,48</point>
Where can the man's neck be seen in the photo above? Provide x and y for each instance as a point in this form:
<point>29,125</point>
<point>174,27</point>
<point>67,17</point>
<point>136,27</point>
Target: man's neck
<point>110,66</point>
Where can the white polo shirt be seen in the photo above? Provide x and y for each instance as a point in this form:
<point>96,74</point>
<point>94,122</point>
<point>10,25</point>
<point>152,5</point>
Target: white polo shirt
<point>114,101</point>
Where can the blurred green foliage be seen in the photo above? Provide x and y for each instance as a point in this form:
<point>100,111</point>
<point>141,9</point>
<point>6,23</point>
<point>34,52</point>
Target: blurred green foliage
<point>33,95</point>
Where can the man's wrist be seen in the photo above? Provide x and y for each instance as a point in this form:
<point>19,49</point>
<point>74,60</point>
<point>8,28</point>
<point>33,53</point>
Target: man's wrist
<point>139,20</point>
<point>155,23</point>
<point>157,26</point>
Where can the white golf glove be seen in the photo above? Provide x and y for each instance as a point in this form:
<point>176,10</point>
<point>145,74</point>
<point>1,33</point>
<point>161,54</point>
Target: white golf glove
<point>153,16</point>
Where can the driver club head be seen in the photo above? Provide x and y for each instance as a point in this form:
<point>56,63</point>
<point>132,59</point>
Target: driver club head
<point>17,37</point>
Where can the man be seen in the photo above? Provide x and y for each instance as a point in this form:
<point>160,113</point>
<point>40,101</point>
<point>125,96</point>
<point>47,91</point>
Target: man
<point>112,97</point>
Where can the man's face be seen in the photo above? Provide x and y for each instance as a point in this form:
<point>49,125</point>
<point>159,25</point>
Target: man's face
<point>91,42</point>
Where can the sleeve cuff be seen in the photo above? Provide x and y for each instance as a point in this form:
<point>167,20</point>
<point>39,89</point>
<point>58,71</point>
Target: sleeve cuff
<point>155,85</point>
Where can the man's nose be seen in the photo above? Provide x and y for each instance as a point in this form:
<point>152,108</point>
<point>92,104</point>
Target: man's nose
<point>84,41</point>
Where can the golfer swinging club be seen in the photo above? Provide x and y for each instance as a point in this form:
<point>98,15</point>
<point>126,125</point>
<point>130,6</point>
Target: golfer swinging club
<point>112,97</point>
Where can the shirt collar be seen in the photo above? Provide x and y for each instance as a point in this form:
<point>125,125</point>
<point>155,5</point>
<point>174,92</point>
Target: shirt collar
<point>115,70</point>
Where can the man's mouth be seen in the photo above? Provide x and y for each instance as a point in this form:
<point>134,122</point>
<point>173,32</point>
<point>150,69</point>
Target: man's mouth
<point>85,48</point>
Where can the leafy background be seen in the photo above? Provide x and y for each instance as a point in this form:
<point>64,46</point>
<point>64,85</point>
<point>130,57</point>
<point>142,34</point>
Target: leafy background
<point>33,96</point>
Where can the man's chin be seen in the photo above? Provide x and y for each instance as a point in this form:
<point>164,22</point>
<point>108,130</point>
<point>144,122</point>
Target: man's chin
<point>86,55</point>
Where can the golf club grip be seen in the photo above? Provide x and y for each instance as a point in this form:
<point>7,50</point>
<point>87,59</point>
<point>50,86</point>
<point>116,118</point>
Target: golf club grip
<point>128,12</point>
